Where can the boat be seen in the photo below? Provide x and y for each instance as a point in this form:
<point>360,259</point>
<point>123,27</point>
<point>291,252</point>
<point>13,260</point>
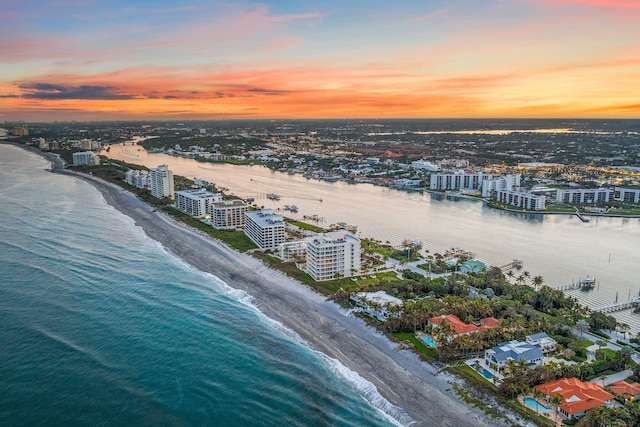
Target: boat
<point>587,283</point>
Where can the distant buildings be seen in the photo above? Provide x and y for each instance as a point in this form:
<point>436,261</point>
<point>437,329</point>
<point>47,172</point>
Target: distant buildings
<point>332,255</point>
<point>20,131</point>
<point>627,195</point>
<point>583,196</point>
<point>507,182</point>
<point>137,178</point>
<point>459,180</point>
<point>424,165</point>
<point>265,228</point>
<point>85,158</point>
<point>521,199</point>
<point>196,202</point>
<point>228,214</point>
<point>577,396</point>
<point>161,182</point>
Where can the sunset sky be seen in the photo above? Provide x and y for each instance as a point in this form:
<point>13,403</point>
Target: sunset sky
<point>103,60</point>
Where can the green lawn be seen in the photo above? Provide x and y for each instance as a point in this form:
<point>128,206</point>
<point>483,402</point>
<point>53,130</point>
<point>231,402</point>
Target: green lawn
<point>236,239</point>
<point>428,352</point>
<point>305,226</point>
<point>384,250</point>
<point>584,343</point>
<point>560,208</point>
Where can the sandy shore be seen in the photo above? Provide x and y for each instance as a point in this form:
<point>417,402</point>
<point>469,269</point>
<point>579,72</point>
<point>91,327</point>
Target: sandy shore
<point>400,377</point>
<point>419,397</point>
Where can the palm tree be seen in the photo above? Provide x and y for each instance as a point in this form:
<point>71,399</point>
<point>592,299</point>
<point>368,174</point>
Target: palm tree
<point>556,400</point>
<point>538,281</point>
<point>582,325</point>
<point>624,328</point>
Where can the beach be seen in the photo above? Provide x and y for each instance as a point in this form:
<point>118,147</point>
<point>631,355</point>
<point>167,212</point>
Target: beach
<point>416,395</point>
<point>410,391</point>
<point>400,377</point>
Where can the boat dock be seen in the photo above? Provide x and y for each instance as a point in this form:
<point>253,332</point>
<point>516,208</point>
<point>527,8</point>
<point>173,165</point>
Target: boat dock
<point>582,218</point>
<point>587,283</point>
<point>516,263</point>
<point>618,306</point>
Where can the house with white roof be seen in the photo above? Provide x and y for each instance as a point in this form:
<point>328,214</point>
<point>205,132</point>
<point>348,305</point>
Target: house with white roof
<point>498,357</point>
<point>543,341</point>
<point>376,304</point>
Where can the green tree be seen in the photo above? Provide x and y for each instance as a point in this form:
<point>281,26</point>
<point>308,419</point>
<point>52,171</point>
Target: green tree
<point>556,400</point>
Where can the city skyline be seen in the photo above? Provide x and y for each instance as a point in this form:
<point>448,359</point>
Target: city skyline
<point>88,60</point>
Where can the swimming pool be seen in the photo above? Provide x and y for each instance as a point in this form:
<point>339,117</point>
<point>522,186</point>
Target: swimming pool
<point>429,341</point>
<point>533,404</point>
<point>478,367</point>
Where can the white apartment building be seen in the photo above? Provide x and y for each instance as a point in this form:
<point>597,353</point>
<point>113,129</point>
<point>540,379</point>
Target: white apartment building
<point>505,182</point>
<point>137,178</point>
<point>521,200</point>
<point>85,158</point>
<point>291,251</point>
<point>459,180</point>
<point>424,165</point>
<point>628,195</point>
<point>161,182</point>
<point>228,214</point>
<point>582,196</point>
<point>196,202</point>
<point>333,254</point>
<point>265,228</point>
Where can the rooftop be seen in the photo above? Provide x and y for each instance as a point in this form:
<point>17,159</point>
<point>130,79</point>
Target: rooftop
<point>577,396</point>
<point>198,194</point>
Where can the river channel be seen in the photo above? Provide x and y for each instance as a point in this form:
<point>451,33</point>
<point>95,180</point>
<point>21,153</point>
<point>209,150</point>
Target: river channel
<point>560,248</point>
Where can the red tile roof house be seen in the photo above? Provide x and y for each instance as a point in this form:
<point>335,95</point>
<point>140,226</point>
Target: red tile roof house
<point>577,396</point>
<point>461,328</point>
<point>625,389</point>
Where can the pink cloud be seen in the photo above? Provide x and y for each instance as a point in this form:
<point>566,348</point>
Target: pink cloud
<point>608,4</point>
<point>285,19</point>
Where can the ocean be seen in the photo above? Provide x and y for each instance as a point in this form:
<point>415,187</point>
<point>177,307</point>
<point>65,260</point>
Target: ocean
<point>100,325</point>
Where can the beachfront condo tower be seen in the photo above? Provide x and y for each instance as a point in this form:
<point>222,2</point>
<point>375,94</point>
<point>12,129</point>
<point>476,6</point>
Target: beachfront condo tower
<point>161,182</point>
<point>265,228</point>
<point>333,255</point>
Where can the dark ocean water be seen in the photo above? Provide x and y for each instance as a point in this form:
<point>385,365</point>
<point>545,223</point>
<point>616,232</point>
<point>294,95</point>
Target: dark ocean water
<point>100,326</point>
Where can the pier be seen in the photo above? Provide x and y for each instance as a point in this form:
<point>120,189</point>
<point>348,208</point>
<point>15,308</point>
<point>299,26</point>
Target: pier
<point>516,263</point>
<point>618,306</point>
<point>582,218</point>
<point>588,283</point>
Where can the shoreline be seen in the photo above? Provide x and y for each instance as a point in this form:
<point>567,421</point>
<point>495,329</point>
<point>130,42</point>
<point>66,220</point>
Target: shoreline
<point>400,377</point>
